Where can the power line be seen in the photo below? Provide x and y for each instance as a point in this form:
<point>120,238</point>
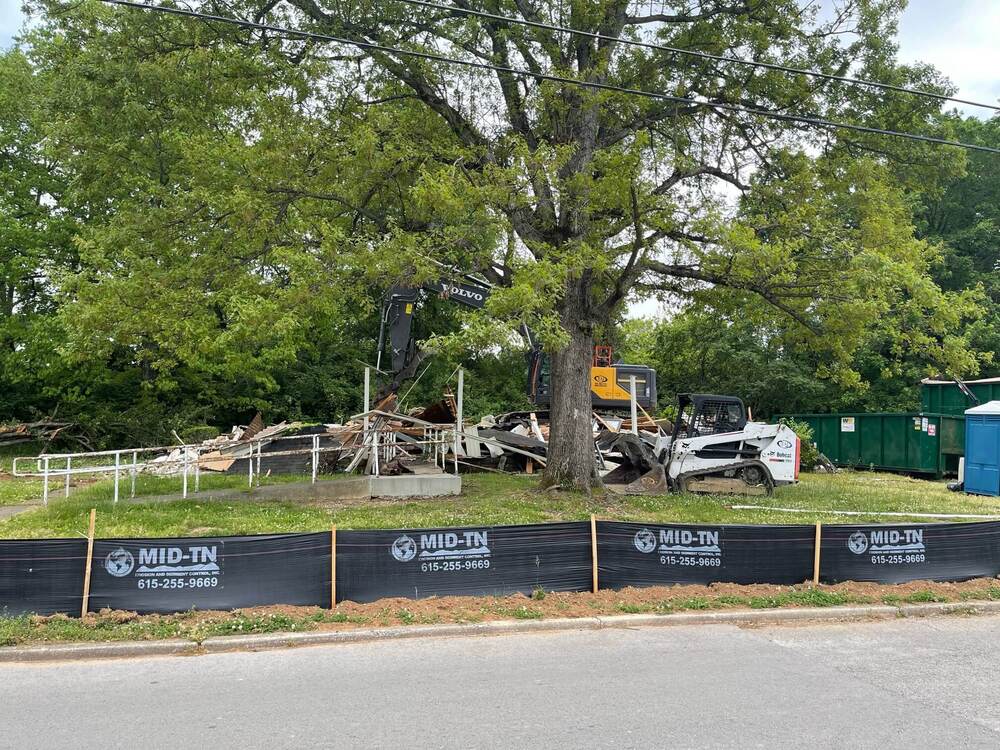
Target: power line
<point>699,54</point>
<point>725,106</point>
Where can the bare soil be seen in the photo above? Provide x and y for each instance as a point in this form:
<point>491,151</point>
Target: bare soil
<point>462,609</point>
<point>608,602</point>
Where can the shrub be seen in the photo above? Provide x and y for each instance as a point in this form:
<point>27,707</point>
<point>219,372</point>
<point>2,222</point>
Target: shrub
<point>199,433</point>
<point>809,455</point>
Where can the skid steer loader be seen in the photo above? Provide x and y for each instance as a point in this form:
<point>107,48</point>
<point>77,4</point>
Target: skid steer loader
<point>713,448</point>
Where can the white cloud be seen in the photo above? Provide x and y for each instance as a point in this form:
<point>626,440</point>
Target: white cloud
<point>959,38</point>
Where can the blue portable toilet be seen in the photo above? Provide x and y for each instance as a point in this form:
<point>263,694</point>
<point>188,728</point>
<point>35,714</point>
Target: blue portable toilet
<point>982,449</point>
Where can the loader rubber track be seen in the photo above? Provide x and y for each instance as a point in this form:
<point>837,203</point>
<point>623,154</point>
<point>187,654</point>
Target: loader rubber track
<point>684,480</point>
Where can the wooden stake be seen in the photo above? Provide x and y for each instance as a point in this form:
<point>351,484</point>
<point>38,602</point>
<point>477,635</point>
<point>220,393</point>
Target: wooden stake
<point>593,546</point>
<point>633,402</point>
<point>333,567</point>
<point>90,557</point>
<point>819,535</point>
<point>646,413</point>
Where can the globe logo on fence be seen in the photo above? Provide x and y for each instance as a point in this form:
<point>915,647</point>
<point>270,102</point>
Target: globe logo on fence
<point>645,541</point>
<point>119,562</point>
<point>404,548</point>
<point>858,543</point>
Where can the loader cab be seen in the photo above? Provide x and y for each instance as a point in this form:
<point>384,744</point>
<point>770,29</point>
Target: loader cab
<point>702,414</point>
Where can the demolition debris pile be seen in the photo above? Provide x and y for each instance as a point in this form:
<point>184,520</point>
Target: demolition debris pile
<point>41,431</point>
<point>423,440</point>
<point>284,448</point>
<point>383,441</point>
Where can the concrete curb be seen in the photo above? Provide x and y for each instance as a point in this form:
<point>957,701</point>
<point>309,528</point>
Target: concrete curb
<point>949,608</point>
<point>229,643</point>
<point>104,650</point>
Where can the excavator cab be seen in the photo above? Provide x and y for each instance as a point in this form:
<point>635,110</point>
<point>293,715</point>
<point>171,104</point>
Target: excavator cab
<point>610,385</point>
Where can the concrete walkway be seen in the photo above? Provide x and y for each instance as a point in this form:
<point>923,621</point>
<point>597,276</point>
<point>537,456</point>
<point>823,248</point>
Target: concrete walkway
<point>9,511</point>
<point>340,487</point>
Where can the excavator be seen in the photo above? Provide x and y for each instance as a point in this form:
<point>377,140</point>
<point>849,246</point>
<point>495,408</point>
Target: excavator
<point>712,447</point>
<point>609,381</point>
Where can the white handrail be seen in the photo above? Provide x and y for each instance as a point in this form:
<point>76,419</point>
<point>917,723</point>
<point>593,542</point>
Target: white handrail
<point>197,456</point>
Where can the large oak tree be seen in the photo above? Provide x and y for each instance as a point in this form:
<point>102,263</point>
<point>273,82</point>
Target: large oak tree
<point>603,194</point>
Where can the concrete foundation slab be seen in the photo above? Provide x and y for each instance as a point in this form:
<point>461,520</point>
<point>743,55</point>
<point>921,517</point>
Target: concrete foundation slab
<point>341,488</point>
<point>416,485</point>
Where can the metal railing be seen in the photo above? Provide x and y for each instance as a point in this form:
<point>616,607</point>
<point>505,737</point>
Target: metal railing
<point>378,446</point>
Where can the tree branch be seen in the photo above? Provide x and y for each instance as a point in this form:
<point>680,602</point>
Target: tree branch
<point>735,9</point>
<point>695,273</point>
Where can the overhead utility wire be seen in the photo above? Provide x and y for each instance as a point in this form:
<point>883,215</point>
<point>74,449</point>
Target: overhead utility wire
<point>815,121</point>
<point>697,53</point>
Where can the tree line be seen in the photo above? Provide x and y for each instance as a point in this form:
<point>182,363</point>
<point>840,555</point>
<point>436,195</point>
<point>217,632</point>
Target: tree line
<point>199,221</point>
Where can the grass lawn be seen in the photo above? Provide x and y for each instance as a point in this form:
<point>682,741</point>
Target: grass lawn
<point>487,499</point>
<point>17,491</point>
<point>20,491</point>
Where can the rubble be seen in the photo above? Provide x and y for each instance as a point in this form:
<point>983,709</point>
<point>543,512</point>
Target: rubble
<point>229,453</point>
<point>44,431</point>
<point>444,411</point>
<point>423,441</point>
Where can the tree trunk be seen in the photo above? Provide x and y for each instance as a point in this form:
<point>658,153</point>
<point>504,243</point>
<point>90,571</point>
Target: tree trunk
<point>571,441</point>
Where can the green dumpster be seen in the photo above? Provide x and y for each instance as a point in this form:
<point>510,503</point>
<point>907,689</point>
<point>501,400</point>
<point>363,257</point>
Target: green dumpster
<point>945,397</point>
<point>909,442</point>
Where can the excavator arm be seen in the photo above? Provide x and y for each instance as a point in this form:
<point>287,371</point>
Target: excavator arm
<point>397,325</point>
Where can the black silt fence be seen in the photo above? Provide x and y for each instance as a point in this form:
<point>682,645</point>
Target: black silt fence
<point>176,575</point>
<point>44,576</point>
<point>900,553</point>
<point>418,563</point>
<point>636,554</point>
<point>179,574</point>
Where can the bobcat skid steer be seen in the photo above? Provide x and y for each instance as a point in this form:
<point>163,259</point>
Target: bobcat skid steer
<point>713,449</point>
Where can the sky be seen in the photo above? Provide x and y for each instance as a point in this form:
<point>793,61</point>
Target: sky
<point>10,21</point>
<point>959,38</point>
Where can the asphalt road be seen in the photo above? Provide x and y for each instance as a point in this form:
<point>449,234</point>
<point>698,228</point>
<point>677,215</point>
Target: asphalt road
<point>897,684</point>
